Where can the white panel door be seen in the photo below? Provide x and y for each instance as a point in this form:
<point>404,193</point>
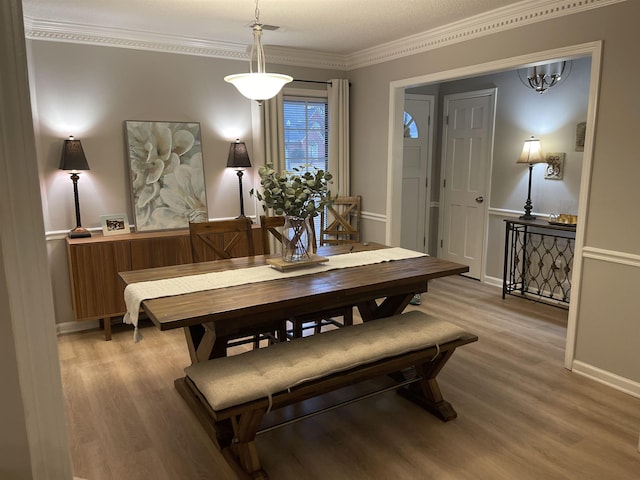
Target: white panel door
<point>467,143</point>
<point>415,167</point>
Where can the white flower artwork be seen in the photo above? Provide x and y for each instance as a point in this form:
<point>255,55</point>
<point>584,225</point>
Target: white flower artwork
<point>167,174</point>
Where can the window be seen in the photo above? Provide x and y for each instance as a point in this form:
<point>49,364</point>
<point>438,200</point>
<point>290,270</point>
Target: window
<point>410,127</point>
<point>306,134</point>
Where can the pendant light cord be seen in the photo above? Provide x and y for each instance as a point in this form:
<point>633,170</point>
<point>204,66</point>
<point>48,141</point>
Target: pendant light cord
<point>257,13</point>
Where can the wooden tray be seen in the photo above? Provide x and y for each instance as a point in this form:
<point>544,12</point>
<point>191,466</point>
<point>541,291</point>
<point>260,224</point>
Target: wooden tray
<point>280,264</point>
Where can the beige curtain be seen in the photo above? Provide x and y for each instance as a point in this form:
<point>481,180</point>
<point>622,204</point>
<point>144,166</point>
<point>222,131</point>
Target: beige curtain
<point>339,161</point>
<point>268,132</point>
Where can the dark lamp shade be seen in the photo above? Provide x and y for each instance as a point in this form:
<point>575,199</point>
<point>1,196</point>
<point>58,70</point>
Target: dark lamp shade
<point>238,156</point>
<point>531,152</point>
<point>73,156</point>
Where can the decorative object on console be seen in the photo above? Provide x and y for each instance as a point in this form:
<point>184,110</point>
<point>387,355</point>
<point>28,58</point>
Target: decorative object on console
<point>531,154</point>
<point>542,77</point>
<point>581,130</point>
<point>116,224</point>
<point>555,166</point>
<point>258,85</point>
<point>167,174</point>
<point>74,160</point>
<point>299,196</point>
<point>563,219</point>
<point>239,159</point>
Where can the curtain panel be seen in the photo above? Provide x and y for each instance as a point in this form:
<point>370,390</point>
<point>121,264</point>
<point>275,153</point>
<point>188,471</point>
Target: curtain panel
<point>339,159</point>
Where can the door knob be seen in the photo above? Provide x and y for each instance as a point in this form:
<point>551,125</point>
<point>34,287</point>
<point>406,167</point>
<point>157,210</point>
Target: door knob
<point>480,199</point>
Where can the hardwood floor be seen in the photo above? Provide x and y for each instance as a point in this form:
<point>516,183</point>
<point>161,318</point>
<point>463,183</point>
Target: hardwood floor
<point>521,415</point>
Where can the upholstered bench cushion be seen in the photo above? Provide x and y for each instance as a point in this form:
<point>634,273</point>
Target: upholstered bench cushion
<point>260,373</point>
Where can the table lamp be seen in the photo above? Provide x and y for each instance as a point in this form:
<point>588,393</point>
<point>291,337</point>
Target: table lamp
<point>73,160</point>
<point>239,159</point>
<point>531,154</point>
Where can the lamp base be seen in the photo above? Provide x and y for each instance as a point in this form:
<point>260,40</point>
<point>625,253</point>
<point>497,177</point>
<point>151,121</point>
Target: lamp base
<point>527,216</point>
<point>79,232</point>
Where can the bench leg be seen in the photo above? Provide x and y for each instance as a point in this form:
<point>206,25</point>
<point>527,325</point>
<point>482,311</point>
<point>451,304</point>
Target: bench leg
<point>243,449</point>
<point>426,393</point>
<point>235,437</point>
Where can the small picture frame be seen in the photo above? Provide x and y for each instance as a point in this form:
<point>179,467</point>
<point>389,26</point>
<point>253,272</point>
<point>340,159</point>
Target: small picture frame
<point>116,224</point>
<point>555,166</point>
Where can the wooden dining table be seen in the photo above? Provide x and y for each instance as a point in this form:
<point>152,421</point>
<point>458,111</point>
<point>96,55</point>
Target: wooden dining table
<point>377,290</point>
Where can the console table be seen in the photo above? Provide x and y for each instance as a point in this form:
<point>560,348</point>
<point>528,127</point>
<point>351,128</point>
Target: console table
<point>538,260</point>
<point>94,262</point>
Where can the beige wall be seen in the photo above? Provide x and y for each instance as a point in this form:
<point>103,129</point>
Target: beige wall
<point>89,91</point>
<point>612,223</point>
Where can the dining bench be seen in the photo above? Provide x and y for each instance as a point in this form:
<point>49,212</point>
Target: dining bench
<point>231,395</point>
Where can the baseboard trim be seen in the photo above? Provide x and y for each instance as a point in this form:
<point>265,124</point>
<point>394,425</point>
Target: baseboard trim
<point>74,327</point>
<point>607,378</point>
<point>493,281</point>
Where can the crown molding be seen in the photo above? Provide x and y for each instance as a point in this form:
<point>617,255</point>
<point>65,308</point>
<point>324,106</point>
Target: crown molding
<point>513,16</point>
<point>36,29</point>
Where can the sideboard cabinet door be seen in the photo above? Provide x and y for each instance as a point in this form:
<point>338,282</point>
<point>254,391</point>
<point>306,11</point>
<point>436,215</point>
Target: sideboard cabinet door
<point>96,289</point>
<point>160,252</point>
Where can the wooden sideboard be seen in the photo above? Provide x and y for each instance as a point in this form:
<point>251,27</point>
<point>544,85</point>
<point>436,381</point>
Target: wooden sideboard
<point>94,263</point>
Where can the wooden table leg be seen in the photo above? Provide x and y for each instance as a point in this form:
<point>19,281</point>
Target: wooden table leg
<point>394,305</point>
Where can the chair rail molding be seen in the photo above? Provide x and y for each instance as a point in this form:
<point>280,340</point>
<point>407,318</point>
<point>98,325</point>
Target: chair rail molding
<point>612,256</point>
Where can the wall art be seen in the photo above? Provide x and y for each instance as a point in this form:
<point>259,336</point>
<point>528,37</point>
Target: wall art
<point>166,174</point>
<point>555,166</point>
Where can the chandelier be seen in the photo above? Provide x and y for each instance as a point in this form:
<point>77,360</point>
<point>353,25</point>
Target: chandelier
<point>542,77</point>
<point>258,85</point>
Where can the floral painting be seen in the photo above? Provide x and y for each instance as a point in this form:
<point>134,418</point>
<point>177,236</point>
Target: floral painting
<point>167,175</point>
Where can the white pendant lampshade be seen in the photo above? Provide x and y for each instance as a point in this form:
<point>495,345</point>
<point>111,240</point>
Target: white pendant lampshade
<point>258,85</point>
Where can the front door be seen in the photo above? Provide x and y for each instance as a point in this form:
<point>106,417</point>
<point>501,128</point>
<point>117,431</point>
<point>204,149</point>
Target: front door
<point>416,163</point>
<point>467,150</point>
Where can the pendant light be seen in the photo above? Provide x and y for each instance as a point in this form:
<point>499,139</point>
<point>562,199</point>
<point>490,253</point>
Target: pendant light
<point>542,77</point>
<point>258,85</point>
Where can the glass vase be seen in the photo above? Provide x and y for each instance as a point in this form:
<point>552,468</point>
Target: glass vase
<point>296,239</point>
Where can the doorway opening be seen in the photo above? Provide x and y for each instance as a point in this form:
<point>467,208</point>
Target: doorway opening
<point>395,148</point>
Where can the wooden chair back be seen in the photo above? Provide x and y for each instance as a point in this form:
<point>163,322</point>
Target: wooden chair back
<point>342,220</point>
<point>221,239</point>
<point>271,228</point>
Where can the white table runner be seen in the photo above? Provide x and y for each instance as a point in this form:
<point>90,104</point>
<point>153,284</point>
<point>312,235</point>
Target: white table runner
<point>135,293</point>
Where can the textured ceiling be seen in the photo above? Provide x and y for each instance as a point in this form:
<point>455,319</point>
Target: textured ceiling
<point>332,26</point>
